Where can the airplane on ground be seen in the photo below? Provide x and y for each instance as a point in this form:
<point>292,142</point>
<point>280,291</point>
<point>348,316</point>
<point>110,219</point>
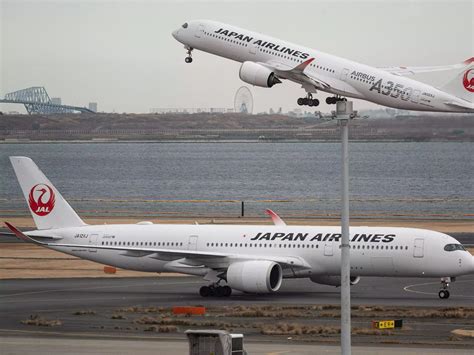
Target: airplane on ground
<point>252,259</point>
<point>266,61</point>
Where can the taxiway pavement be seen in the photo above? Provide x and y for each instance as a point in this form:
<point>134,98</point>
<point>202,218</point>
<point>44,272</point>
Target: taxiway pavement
<point>21,298</point>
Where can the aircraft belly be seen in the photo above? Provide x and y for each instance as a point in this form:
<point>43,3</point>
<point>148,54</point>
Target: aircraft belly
<point>382,266</point>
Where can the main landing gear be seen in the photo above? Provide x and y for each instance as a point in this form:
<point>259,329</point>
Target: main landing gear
<point>332,100</point>
<point>189,59</point>
<point>308,100</point>
<point>215,290</point>
<point>444,292</point>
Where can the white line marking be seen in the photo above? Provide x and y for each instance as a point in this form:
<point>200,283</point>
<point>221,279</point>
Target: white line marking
<point>95,288</point>
<point>408,288</point>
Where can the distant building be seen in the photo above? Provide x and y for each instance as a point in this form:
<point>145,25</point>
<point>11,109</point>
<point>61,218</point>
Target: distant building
<point>56,100</point>
<point>93,106</point>
<point>191,110</point>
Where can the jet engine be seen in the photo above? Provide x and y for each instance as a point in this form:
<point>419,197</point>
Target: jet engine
<point>257,74</point>
<point>255,276</point>
<point>333,280</point>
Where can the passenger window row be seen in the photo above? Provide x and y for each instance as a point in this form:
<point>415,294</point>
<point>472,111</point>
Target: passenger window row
<point>226,39</point>
<point>145,244</point>
<point>307,246</point>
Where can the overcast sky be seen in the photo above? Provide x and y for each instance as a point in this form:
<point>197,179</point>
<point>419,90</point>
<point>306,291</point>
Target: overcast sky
<point>122,55</point>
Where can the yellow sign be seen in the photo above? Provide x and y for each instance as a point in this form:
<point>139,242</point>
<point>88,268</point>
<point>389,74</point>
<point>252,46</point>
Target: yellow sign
<point>385,324</point>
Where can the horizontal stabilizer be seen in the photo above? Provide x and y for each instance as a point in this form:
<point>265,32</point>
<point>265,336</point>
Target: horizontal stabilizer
<point>406,71</point>
<point>30,239</point>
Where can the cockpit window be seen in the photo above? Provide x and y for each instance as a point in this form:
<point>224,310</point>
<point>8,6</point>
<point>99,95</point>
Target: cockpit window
<point>453,247</point>
<point>185,25</point>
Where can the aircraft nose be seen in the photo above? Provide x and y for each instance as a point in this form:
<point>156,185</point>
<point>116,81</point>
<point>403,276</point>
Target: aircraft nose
<point>175,34</point>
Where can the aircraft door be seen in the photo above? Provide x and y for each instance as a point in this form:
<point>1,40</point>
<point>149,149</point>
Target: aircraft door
<point>253,49</point>
<point>415,96</point>
<point>418,248</point>
<point>344,74</point>
<point>93,242</point>
<point>328,248</point>
<point>192,242</point>
<point>199,31</point>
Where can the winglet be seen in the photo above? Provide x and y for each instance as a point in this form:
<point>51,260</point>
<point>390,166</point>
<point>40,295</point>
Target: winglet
<point>301,67</point>
<point>18,233</point>
<point>275,218</point>
<point>469,61</point>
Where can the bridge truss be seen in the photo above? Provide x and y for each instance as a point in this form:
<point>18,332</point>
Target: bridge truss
<point>37,101</point>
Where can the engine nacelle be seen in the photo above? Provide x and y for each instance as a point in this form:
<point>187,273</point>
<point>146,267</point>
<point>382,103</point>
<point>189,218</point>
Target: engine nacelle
<point>255,276</point>
<point>333,280</point>
<point>257,74</point>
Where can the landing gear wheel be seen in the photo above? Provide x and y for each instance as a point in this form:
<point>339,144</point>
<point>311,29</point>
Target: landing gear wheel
<point>443,294</point>
<point>305,101</point>
<point>300,101</point>
<point>227,291</point>
<point>220,292</point>
<point>205,291</point>
<point>330,100</point>
<point>315,102</point>
<point>188,59</point>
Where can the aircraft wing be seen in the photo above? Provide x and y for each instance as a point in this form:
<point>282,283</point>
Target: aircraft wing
<point>297,73</point>
<point>406,71</point>
<point>275,218</point>
<point>192,256</point>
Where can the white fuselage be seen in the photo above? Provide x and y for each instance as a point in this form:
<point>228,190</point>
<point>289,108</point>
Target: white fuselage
<point>345,77</point>
<point>375,251</point>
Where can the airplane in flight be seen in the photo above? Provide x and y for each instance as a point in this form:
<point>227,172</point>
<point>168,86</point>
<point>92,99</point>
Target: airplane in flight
<point>266,61</point>
<point>252,259</point>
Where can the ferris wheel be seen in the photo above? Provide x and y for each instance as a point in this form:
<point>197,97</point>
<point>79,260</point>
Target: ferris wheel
<point>243,101</point>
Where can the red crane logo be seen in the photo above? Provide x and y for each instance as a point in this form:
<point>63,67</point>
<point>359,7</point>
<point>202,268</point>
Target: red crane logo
<point>41,199</point>
<point>468,80</point>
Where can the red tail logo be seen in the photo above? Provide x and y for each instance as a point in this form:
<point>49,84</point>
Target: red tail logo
<point>468,80</point>
<point>41,199</point>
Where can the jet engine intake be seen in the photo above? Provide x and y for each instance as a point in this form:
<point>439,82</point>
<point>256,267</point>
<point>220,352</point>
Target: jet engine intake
<point>255,276</point>
<point>257,74</point>
<point>333,280</point>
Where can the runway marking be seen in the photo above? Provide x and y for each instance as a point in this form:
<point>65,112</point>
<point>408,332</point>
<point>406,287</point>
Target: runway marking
<point>408,288</point>
<point>94,288</point>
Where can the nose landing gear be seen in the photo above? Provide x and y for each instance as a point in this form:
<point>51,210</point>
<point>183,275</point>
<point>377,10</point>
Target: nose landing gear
<point>308,100</point>
<point>444,292</point>
<point>189,58</point>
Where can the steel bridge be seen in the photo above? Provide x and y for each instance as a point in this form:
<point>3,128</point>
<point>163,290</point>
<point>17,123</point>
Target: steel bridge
<point>37,101</point>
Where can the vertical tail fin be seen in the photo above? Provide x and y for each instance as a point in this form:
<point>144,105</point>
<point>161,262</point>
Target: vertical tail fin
<point>48,208</point>
<point>462,85</point>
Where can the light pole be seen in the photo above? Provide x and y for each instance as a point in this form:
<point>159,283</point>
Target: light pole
<point>344,113</point>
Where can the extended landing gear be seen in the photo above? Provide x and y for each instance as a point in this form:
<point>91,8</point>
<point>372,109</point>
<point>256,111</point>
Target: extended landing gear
<point>308,100</point>
<point>189,59</point>
<point>332,100</point>
<point>215,291</point>
<point>444,293</point>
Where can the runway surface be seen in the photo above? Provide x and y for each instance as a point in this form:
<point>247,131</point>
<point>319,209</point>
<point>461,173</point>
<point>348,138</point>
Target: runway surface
<point>20,298</point>
<point>48,345</point>
<point>98,333</point>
